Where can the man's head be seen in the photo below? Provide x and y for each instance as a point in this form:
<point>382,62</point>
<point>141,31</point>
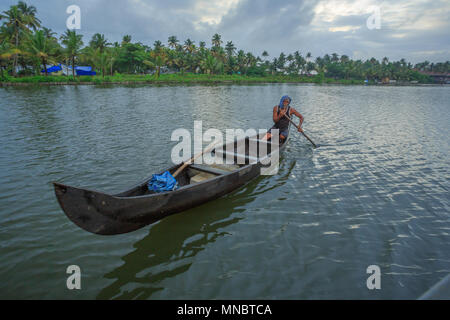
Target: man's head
<point>285,101</point>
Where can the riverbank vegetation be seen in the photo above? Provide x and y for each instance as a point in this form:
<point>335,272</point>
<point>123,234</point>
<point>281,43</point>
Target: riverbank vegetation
<point>27,49</point>
<point>186,78</point>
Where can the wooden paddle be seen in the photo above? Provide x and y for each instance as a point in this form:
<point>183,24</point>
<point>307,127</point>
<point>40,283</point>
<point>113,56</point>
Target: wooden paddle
<point>180,169</point>
<point>301,131</point>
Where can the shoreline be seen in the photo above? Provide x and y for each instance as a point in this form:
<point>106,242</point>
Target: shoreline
<point>190,78</point>
<point>218,82</point>
<point>213,82</point>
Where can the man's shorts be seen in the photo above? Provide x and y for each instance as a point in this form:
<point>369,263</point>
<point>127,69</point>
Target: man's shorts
<point>283,133</point>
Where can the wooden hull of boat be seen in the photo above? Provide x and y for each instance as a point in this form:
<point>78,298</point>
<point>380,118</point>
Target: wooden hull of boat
<point>106,214</point>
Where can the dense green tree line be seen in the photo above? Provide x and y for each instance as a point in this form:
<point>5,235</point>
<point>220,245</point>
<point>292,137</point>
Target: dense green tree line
<point>27,46</point>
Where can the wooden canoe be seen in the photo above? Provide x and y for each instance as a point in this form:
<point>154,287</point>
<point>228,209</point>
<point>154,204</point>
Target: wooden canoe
<point>105,214</point>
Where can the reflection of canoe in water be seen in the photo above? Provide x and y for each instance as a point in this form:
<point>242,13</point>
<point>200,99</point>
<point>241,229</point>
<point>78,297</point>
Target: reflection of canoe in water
<point>137,207</point>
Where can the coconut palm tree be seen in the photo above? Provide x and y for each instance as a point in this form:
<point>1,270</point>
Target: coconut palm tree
<point>182,60</point>
<point>310,66</point>
<point>218,53</point>
<point>157,59</point>
<point>230,61</point>
<point>241,61</point>
<point>210,64</point>
<point>179,48</point>
<point>344,59</point>
<point>216,40</point>
<point>30,13</point>
<point>7,51</point>
<point>157,45</point>
<point>98,41</point>
<point>101,60</point>
<point>17,24</point>
<point>41,47</point>
<point>5,33</point>
<point>299,62</point>
<point>89,56</point>
<point>273,66</point>
<point>189,45</point>
<point>172,42</point>
<point>230,48</point>
<point>113,55</point>
<point>281,61</point>
<point>290,58</point>
<point>320,64</point>
<point>73,43</point>
<point>334,57</point>
<point>49,34</point>
<point>126,39</point>
<point>250,61</point>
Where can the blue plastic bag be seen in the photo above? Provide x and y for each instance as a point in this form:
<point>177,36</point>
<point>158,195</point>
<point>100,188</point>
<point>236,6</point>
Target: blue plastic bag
<point>162,182</point>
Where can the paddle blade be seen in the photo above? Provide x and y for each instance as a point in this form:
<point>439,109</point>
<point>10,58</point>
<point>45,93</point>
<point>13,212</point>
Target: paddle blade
<point>162,182</point>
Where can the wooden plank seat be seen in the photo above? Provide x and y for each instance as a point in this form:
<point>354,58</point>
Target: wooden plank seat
<point>202,176</point>
<point>208,169</point>
<point>236,156</point>
<point>225,166</point>
<point>206,172</point>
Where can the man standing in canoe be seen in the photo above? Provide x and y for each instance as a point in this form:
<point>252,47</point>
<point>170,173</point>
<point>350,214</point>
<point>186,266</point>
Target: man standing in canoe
<point>281,122</point>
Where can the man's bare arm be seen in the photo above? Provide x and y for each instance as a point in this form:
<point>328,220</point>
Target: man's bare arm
<point>295,112</point>
<point>276,116</point>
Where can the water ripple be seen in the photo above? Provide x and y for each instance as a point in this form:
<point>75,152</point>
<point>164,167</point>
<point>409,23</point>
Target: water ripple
<point>374,192</point>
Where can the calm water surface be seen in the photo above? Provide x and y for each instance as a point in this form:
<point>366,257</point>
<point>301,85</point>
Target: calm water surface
<point>375,193</point>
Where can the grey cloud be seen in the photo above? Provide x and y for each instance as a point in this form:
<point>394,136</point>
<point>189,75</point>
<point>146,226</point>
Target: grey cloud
<point>261,25</point>
<point>256,25</point>
<point>351,20</point>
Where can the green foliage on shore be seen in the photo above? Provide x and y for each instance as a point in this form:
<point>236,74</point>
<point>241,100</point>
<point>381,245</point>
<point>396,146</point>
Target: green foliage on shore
<point>26,48</point>
<point>176,78</point>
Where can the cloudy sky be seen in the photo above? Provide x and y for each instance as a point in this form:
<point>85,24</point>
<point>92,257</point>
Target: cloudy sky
<point>416,30</point>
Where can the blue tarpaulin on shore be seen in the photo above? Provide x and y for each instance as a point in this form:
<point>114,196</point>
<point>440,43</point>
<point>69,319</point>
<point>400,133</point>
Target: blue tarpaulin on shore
<point>52,69</point>
<point>83,68</point>
<point>85,73</point>
<point>80,71</point>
